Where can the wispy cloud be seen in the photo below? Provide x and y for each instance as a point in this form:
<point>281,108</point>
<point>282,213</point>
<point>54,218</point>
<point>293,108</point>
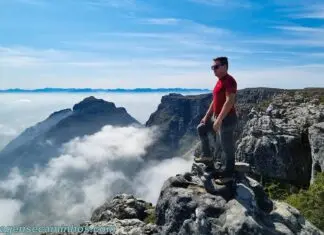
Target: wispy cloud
<point>294,36</point>
<point>308,43</point>
<point>313,11</point>
<point>160,21</point>
<point>33,2</point>
<point>187,25</point>
<point>178,35</point>
<point>225,3</point>
<point>301,29</point>
<point>128,7</point>
<point>29,57</point>
<point>281,76</point>
<point>297,9</point>
<point>111,3</point>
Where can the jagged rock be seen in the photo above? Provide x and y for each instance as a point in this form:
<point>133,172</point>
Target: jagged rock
<point>122,206</point>
<point>40,143</point>
<point>122,215</point>
<point>277,145</point>
<point>316,140</point>
<point>111,227</point>
<point>185,207</point>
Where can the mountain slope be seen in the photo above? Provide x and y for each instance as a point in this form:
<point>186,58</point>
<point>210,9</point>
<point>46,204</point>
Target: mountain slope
<point>43,141</point>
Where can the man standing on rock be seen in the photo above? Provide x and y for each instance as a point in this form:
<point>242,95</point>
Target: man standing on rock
<point>221,117</point>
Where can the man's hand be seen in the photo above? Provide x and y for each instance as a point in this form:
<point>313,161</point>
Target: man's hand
<point>204,119</point>
<point>217,125</point>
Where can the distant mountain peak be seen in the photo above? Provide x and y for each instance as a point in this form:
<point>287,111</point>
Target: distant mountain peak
<point>93,103</point>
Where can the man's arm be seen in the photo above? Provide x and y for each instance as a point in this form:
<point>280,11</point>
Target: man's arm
<point>230,100</point>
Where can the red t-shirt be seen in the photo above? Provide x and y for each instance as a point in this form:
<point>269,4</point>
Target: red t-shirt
<point>226,84</point>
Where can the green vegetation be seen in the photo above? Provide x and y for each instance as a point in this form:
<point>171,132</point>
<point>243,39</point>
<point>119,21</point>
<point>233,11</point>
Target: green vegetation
<point>312,93</point>
<point>310,202</point>
<point>321,99</point>
<point>262,106</point>
<point>150,218</point>
<point>278,190</point>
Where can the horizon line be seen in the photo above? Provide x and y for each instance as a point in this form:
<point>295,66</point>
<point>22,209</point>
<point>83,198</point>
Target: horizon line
<point>139,89</point>
<point>54,89</point>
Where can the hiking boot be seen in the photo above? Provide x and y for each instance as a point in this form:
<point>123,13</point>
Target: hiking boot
<point>203,159</point>
<point>224,180</point>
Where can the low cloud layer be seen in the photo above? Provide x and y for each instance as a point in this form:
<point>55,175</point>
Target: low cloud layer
<point>90,170</point>
<point>150,180</point>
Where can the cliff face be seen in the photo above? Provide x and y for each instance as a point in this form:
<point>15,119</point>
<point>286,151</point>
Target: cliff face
<point>176,118</point>
<point>39,143</point>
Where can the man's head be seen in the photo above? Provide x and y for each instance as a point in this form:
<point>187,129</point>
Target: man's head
<point>220,66</point>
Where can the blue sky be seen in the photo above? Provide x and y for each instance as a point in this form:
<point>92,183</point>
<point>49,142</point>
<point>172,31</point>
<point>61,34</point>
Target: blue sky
<point>160,43</point>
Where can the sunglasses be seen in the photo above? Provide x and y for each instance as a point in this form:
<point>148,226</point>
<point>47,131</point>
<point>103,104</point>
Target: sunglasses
<point>215,67</point>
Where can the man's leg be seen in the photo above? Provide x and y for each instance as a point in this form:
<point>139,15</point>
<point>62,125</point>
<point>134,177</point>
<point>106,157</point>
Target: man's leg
<point>203,129</point>
<point>228,146</point>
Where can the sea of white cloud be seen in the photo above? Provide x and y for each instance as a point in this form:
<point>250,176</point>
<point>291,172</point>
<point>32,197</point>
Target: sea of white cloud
<point>90,169</point>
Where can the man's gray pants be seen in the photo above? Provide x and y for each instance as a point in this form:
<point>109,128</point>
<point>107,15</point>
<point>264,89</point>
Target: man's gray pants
<point>226,140</point>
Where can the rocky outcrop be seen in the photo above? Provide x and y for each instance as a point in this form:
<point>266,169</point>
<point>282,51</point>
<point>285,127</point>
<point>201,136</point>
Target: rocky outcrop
<point>122,207</point>
<point>192,203</point>
<point>248,98</point>
<point>316,140</point>
<point>38,144</point>
<point>188,206</point>
<point>177,117</point>
<point>123,214</point>
<point>278,144</point>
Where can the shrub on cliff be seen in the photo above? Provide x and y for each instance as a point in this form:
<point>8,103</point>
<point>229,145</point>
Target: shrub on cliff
<point>310,202</point>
